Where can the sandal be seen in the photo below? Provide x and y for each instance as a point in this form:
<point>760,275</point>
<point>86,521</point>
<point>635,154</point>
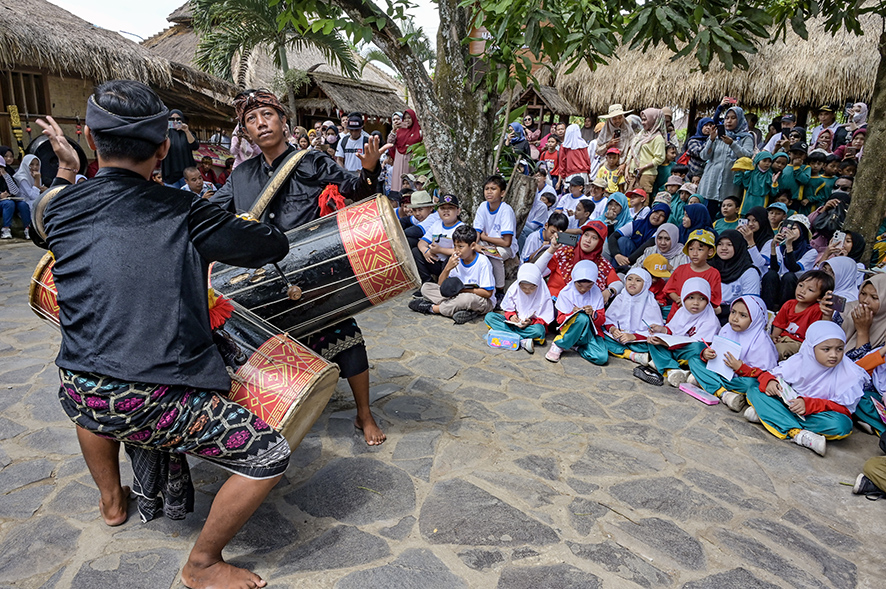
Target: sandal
<point>649,375</point>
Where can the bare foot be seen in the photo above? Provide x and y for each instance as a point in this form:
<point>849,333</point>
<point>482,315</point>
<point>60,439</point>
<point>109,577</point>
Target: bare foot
<point>371,432</point>
<point>219,575</point>
<point>116,511</point>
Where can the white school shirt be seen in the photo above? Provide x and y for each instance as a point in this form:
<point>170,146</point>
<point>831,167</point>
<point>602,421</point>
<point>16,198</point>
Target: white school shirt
<point>599,207</point>
<point>497,224</point>
<point>479,272</point>
<point>747,283</point>
<point>533,243</point>
<point>352,163</point>
<point>442,234</point>
<point>806,262</point>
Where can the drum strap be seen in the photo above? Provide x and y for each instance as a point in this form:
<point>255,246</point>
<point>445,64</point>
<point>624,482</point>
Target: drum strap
<point>280,177</point>
<point>40,209</point>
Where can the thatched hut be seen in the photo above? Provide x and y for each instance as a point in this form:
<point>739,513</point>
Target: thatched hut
<point>545,104</point>
<point>325,90</point>
<point>52,68</point>
<point>795,74</point>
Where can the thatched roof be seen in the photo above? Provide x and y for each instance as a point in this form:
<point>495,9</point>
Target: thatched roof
<point>823,70</point>
<point>179,43</point>
<point>35,33</point>
<point>349,95</point>
<point>553,101</point>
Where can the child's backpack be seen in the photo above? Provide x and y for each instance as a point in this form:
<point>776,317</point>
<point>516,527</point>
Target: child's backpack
<point>683,160</point>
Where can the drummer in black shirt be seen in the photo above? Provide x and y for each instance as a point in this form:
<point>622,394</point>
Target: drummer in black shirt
<point>264,119</point>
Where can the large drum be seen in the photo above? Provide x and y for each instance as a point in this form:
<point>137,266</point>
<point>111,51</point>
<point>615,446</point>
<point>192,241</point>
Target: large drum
<point>272,375</point>
<point>340,264</point>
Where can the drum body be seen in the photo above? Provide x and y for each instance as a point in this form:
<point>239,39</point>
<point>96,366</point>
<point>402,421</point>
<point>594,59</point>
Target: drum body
<point>343,264</point>
<point>272,375</point>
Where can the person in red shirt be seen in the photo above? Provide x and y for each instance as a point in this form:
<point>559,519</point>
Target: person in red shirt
<point>206,170</point>
<point>700,248</point>
<point>796,315</point>
<point>558,260</point>
<point>226,173</point>
<point>823,390</point>
<point>548,155</point>
<point>573,158</point>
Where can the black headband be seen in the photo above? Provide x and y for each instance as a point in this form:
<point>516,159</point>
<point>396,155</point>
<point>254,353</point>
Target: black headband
<point>152,128</point>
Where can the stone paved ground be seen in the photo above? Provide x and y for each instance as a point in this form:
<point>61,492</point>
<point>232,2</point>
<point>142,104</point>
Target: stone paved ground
<point>500,470</point>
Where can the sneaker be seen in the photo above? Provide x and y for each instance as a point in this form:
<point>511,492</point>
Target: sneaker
<point>463,316</point>
<point>751,415</point>
<point>553,354</point>
<point>865,486</point>
<point>734,401</point>
<point>649,375</point>
<point>865,427</point>
<point>6,233</point>
<point>27,233</point>
<point>641,358</point>
<point>422,305</point>
<point>417,294</point>
<point>528,345</point>
<point>811,440</point>
<point>691,379</point>
<point>676,377</point>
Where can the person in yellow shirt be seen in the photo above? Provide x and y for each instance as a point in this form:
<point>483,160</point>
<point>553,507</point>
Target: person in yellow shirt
<point>610,171</point>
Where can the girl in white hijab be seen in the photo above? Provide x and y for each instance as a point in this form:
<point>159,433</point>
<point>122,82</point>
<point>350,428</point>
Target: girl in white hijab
<point>695,319</point>
<point>632,312</point>
<point>845,273</point>
<point>747,328</point>
<point>30,187</point>
<point>580,313</point>
<point>528,308</point>
<point>828,387</point>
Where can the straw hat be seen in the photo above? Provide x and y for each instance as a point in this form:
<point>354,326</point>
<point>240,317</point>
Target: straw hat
<point>615,110</point>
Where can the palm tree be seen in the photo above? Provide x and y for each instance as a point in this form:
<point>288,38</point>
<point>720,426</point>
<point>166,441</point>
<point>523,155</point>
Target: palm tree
<point>232,29</point>
<point>418,40</point>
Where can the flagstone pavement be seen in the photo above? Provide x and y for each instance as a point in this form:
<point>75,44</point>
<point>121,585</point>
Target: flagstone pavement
<point>501,470</point>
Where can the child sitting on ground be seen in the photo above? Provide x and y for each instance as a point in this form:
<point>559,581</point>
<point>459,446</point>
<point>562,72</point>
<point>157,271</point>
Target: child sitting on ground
<point>747,328</point>
<point>632,311</point>
<point>796,315</point>
<point>583,211</point>
<point>699,248</point>
<point>756,183</point>
<point>580,315</point>
<point>637,200</point>
<point>541,239</point>
<point>777,212</point>
<point>570,200</point>
<point>694,319</point>
<point>729,210</point>
<point>496,224</point>
<point>545,199</point>
<point>466,286</point>
<point>828,387</point>
<point>528,308</point>
<point>421,216</point>
<point>435,247</point>
<point>658,267</point>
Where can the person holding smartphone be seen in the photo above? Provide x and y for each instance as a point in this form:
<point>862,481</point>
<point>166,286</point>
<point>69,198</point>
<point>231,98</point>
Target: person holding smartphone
<point>790,254</point>
<point>724,147</point>
<point>182,145</point>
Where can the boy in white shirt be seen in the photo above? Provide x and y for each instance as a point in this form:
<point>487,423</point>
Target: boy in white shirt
<point>466,287</point>
<point>569,200</point>
<point>423,217</point>
<point>497,225</point>
<point>539,240</point>
<point>436,246</point>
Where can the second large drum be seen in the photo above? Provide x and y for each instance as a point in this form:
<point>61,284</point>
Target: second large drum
<point>341,264</point>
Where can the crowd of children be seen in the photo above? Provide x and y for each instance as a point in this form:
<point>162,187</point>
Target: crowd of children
<point>767,307</point>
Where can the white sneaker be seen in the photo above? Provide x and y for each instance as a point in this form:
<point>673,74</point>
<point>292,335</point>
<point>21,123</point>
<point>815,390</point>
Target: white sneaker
<point>734,401</point>
<point>691,379</point>
<point>27,233</point>
<point>865,427</point>
<point>813,441</point>
<point>751,415</point>
<point>553,354</point>
<point>676,377</point>
<point>528,345</point>
<point>5,233</point>
<point>641,358</point>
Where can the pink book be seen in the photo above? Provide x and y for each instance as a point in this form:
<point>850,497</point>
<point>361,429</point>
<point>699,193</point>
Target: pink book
<point>699,393</point>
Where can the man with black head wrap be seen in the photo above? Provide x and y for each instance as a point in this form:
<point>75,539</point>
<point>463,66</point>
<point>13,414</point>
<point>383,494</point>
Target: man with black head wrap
<point>182,145</point>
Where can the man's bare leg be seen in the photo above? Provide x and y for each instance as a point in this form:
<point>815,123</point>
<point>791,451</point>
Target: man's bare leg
<point>235,503</point>
<point>103,460</point>
<point>360,387</point>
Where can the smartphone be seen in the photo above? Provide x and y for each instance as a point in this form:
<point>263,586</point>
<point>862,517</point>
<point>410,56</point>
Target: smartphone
<point>838,239</point>
<point>838,303</point>
<point>721,130</point>
<point>742,222</point>
<point>570,239</point>
<point>617,133</point>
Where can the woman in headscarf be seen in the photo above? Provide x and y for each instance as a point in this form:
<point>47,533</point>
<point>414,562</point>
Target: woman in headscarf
<point>695,216</point>
<point>408,135</point>
<point>855,146</point>
<point>789,256</point>
<point>557,261</point>
<point>628,243</point>
<point>858,118</point>
<point>8,156</point>
<point>573,158</point>
<point>720,153</point>
<point>617,213</point>
<point>647,151</point>
<point>694,145</point>
<point>738,275</point>
<point>758,233</point>
<point>23,189</point>
<point>615,133</point>
<point>824,142</point>
<point>667,244</point>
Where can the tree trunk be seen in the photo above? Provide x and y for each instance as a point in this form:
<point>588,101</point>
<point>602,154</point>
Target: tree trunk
<point>284,66</point>
<point>869,191</point>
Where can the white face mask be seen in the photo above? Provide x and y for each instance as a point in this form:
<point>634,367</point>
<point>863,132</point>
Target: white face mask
<point>857,117</point>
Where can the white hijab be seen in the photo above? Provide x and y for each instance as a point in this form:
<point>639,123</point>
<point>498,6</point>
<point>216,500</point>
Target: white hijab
<point>538,305</point>
<point>845,277</point>
<point>24,179</point>
<point>573,138</point>
<point>757,349</point>
<point>843,384</point>
<point>701,326</point>
<point>634,313</point>
<point>570,298</point>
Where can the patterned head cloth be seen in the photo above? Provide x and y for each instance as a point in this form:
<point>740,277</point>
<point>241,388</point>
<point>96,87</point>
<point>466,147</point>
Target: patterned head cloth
<point>252,99</point>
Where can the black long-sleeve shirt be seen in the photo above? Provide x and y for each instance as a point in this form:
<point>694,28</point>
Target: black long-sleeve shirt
<point>297,201</point>
<point>180,156</point>
<point>131,266</point>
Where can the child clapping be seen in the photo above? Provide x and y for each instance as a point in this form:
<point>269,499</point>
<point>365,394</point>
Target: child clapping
<point>580,315</point>
<point>528,308</point>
